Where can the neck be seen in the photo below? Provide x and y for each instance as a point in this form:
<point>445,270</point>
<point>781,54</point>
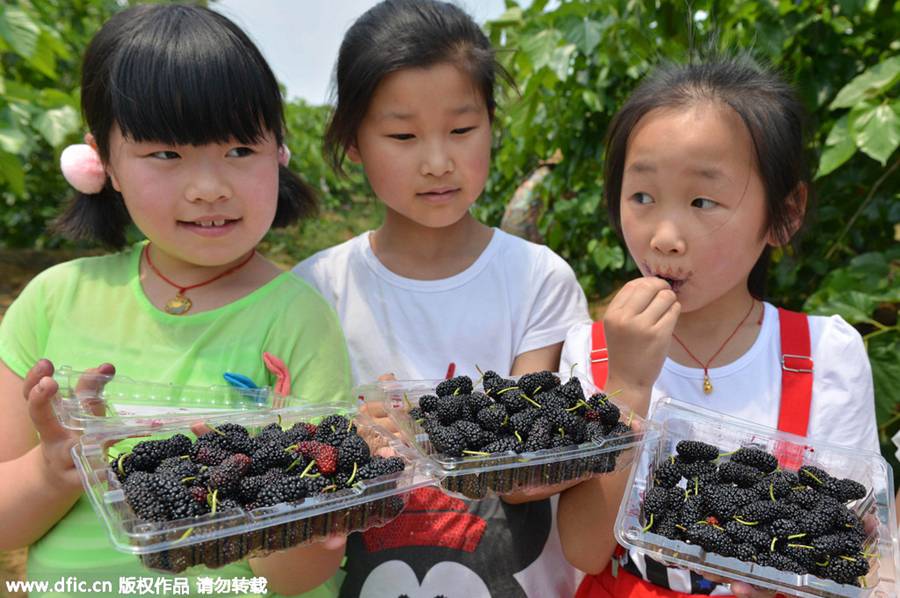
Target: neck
<point>184,273</point>
<point>707,330</point>
<point>415,251</point>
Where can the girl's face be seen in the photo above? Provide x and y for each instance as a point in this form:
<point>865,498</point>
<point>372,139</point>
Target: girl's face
<point>204,205</point>
<point>425,144</point>
<point>692,203</point>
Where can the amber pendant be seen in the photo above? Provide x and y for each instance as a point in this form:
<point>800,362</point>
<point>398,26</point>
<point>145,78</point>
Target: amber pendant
<point>707,385</point>
<point>178,305</point>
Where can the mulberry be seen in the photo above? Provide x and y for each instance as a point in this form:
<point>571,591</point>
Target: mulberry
<point>460,385</point>
<point>756,458</point>
<point>692,450</point>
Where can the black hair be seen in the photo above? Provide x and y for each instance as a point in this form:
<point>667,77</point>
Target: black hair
<point>768,107</point>
<point>400,34</point>
<point>182,75</point>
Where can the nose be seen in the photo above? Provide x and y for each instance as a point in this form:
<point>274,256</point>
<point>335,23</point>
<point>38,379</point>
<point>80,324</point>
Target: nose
<point>206,183</point>
<point>437,160</point>
<point>667,238</point>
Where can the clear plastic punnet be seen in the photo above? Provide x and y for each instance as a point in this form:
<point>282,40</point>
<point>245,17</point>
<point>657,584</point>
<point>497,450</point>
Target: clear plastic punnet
<point>234,533</point>
<point>876,510</point>
<point>478,476</point>
<point>91,401</point>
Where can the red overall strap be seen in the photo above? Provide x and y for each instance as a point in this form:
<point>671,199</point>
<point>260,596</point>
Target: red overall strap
<point>599,357</point>
<point>796,382</point>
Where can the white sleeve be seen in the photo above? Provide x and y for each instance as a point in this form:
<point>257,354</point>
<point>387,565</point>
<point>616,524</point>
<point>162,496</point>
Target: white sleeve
<point>308,271</point>
<point>577,351</point>
<point>843,396</point>
<point>558,303</point>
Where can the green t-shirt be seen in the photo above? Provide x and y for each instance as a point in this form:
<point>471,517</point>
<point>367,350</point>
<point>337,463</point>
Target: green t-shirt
<point>93,310</point>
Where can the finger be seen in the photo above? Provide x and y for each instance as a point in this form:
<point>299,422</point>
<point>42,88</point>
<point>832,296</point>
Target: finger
<point>643,295</point>
<point>41,412</point>
<point>667,322</point>
<point>387,377</point>
<point>89,388</point>
<point>659,306</point>
<point>39,370</point>
<point>374,409</point>
<point>334,542</point>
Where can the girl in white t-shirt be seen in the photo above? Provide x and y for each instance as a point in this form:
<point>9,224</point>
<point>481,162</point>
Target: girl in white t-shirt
<point>433,291</point>
<point>704,175</point>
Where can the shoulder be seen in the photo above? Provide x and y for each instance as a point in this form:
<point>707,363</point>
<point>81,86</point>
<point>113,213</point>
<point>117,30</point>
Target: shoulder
<point>535,263</point>
<point>321,268</point>
<point>831,337</point>
<point>83,271</point>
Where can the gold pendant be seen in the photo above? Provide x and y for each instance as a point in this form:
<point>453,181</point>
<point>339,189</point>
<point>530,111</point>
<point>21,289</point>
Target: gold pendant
<point>178,305</point>
<point>707,385</point>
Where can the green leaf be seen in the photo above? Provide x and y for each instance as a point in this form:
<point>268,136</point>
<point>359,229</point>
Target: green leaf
<point>585,34</point>
<point>839,147</point>
<point>512,16</point>
<point>885,374</point>
<point>880,77</point>
<point>12,173</point>
<point>540,47</point>
<point>12,140</point>
<point>606,257</point>
<point>877,132</point>
<point>19,31</point>
<point>56,124</point>
<point>43,58</point>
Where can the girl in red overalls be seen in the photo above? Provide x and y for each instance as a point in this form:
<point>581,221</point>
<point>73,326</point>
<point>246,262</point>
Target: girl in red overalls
<point>704,176</point>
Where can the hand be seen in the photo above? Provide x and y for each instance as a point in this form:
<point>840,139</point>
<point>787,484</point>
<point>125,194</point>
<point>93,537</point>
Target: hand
<point>639,323</point>
<point>538,493</point>
<point>375,410</point>
<point>742,589</point>
<point>38,389</point>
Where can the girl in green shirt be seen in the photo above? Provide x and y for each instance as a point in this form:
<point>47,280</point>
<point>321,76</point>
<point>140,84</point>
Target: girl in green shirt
<point>185,142</point>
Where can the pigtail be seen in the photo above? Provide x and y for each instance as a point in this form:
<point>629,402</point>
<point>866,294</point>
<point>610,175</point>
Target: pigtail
<point>297,200</point>
<point>95,217</point>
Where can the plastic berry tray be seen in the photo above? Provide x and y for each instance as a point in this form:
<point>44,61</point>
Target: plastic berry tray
<point>477,477</point>
<point>680,421</point>
<point>216,539</point>
<point>90,401</point>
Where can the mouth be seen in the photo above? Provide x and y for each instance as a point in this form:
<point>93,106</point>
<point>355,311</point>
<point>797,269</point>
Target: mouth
<point>210,226</point>
<point>438,193</point>
<point>675,280</point>
<point>675,283</point>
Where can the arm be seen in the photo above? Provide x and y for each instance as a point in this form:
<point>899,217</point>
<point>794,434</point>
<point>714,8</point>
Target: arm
<point>638,325</point>
<point>320,561</point>
<point>47,484</point>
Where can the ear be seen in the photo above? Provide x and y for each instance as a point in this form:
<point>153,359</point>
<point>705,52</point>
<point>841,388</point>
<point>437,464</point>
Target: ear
<point>353,154</point>
<point>92,141</point>
<point>796,207</point>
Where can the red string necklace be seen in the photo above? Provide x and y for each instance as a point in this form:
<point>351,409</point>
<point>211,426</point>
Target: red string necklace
<point>707,384</point>
<point>179,304</point>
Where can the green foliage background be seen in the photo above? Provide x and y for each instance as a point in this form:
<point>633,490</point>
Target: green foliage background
<point>574,62</point>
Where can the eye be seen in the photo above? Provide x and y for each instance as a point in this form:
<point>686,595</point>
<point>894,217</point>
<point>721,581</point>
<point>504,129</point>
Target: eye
<point>641,199</point>
<point>401,136</point>
<point>703,203</point>
<point>240,152</point>
<point>462,130</point>
<point>165,155</point>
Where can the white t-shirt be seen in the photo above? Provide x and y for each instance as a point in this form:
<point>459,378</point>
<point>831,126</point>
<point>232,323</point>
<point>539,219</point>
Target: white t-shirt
<point>843,401</point>
<point>516,297</point>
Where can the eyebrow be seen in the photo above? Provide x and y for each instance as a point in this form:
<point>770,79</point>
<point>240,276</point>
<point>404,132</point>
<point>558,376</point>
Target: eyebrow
<point>458,111</point>
<point>706,172</point>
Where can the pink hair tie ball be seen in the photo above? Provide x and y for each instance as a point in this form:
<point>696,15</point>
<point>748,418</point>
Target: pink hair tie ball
<point>82,168</point>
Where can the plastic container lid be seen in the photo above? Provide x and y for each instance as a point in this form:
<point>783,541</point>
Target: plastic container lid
<point>219,538</point>
<point>681,421</point>
<point>479,476</point>
<point>90,401</point>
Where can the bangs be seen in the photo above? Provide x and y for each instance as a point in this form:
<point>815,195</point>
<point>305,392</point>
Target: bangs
<point>189,81</point>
